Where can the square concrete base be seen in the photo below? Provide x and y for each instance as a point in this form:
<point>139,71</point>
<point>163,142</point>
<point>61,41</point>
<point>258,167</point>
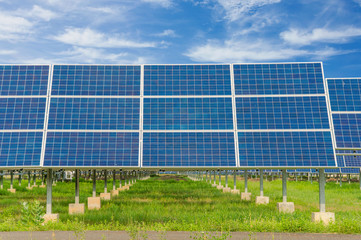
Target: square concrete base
<point>42,186</point>
<point>235,191</point>
<point>76,208</point>
<point>29,188</point>
<point>246,196</point>
<point>325,217</point>
<point>105,196</point>
<point>12,190</point>
<point>35,186</point>
<point>214,185</point>
<point>219,187</point>
<point>94,203</point>
<point>114,192</point>
<point>54,217</point>
<point>126,187</point>
<point>262,200</point>
<point>286,207</point>
<point>226,189</point>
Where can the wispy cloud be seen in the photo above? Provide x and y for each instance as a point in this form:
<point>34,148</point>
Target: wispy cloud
<point>162,3</point>
<point>242,51</point>
<point>301,37</point>
<point>86,37</point>
<point>7,52</point>
<point>235,9</point>
<point>37,12</point>
<point>166,33</point>
<point>14,27</point>
<point>91,55</point>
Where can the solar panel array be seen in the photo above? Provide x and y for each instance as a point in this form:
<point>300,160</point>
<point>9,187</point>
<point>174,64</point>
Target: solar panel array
<point>345,101</point>
<point>217,115</point>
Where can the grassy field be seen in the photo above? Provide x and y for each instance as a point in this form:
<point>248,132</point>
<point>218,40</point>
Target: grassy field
<point>176,203</point>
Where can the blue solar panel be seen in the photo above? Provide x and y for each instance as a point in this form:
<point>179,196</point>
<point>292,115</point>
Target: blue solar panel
<point>187,113</point>
<point>20,148</point>
<point>282,113</point>
<point>97,80</point>
<point>286,149</point>
<point>22,113</point>
<point>295,78</point>
<point>340,161</point>
<point>187,149</point>
<point>345,94</point>
<point>23,80</point>
<point>350,170</point>
<point>351,160</point>
<point>94,113</point>
<point>347,130</point>
<point>92,149</point>
<point>187,80</point>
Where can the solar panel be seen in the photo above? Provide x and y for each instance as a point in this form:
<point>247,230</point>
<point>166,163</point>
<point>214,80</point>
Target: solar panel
<point>96,80</point>
<point>21,80</point>
<point>173,80</point>
<point>350,170</point>
<point>306,112</point>
<point>20,148</point>
<point>108,149</point>
<point>295,78</point>
<point>94,113</point>
<point>347,129</point>
<point>286,149</point>
<point>186,149</point>
<point>345,94</point>
<point>22,113</point>
<point>187,113</point>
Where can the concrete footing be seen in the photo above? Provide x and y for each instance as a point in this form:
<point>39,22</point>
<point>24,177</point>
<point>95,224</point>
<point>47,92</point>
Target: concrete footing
<point>76,208</point>
<point>219,187</point>
<point>286,207</point>
<point>105,196</point>
<point>226,189</point>
<point>246,196</point>
<point>12,190</point>
<point>235,191</point>
<point>114,193</point>
<point>262,200</point>
<point>94,203</point>
<point>126,187</point>
<point>29,188</point>
<point>53,217</point>
<point>325,217</point>
<point>214,185</point>
<point>42,186</point>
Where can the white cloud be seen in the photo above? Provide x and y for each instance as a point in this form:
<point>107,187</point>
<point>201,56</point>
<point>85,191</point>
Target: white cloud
<point>107,10</point>
<point>91,55</point>
<point>241,51</point>
<point>235,9</point>
<point>39,12</point>
<point>7,52</point>
<point>163,3</point>
<point>301,37</point>
<point>13,27</point>
<point>86,37</point>
<point>167,33</point>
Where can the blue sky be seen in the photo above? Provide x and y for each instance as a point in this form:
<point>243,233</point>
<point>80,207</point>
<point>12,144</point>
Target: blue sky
<point>183,31</point>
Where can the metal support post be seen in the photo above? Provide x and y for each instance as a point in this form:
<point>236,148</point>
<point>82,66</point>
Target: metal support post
<point>360,178</point>
<point>77,186</point>
<point>105,181</point>
<point>120,178</point>
<point>94,183</point>
<point>322,190</point>
<point>1,179</point>
<point>220,180</point>
<point>226,178</point>
<point>29,179</point>
<point>261,182</point>
<point>311,178</point>
<point>214,177</point>
<point>245,181</point>
<point>234,180</point>
<point>11,179</point>
<point>20,177</point>
<point>34,179</point>
<point>284,185</point>
<point>113,179</point>
<point>49,182</point>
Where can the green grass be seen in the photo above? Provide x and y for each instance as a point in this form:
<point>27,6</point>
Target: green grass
<point>179,204</point>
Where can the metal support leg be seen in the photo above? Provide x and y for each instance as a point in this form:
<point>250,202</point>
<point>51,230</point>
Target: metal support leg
<point>360,178</point>
<point>94,183</point>
<point>214,177</point>
<point>20,178</point>
<point>105,181</point>
<point>29,179</point>
<point>284,185</point>
<point>113,179</point>
<point>220,179</point>
<point>77,186</point>
<point>261,182</point>
<point>234,180</point>
<point>11,179</point>
<point>226,178</point>
<point>49,185</point>
<point>34,179</point>
<point>120,178</point>
<point>311,178</point>
<point>1,179</point>
<point>322,190</point>
<point>245,181</point>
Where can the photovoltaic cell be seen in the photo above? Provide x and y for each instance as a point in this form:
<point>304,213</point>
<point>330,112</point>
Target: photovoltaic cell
<point>94,113</point>
<point>20,80</point>
<point>22,113</point>
<point>186,149</point>
<point>96,80</point>
<point>187,113</point>
<point>347,129</point>
<point>351,161</point>
<point>295,78</point>
<point>20,148</point>
<point>345,94</point>
<point>187,80</point>
<point>350,170</point>
<point>92,149</point>
<point>282,112</point>
<point>286,149</point>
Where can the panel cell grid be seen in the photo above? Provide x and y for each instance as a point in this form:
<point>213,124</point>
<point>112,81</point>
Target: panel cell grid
<point>188,149</point>
<point>22,113</point>
<point>282,113</point>
<point>347,129</point>
<point>295,78</point>
<point>345,94</point>
<point>187,114</point>
<point>20,148</point>
<point>286,149</point>
<point>92,149</point>
<point>96,80</point>
<point>94,113</point>
<point>173,80</point>
<point>20,80</point>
